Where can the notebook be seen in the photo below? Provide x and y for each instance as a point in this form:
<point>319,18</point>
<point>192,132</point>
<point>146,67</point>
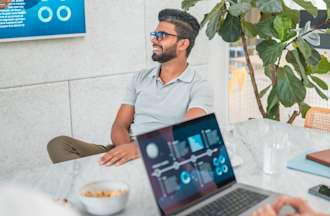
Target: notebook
<point>300,163</point>
<point>322,157</point>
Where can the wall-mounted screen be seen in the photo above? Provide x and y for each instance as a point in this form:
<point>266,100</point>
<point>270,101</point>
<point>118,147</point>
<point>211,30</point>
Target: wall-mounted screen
<point>37,19</point>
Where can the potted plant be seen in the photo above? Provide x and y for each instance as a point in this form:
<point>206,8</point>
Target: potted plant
<point>275,26</point>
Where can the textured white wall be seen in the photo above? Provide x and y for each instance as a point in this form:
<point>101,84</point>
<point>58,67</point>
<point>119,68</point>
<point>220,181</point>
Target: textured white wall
<point>74,86</point>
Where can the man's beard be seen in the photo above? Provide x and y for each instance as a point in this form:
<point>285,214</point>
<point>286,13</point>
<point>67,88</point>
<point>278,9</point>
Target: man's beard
<point>165,56</point>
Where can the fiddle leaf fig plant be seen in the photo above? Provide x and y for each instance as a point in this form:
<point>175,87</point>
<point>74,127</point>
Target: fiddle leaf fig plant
<point>288,53</point>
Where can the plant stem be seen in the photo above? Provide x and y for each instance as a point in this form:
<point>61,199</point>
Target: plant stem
<point>252,76</point>
<point>293,117</point>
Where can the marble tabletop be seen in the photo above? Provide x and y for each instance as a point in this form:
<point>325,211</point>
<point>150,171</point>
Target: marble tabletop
<point>63,180</point>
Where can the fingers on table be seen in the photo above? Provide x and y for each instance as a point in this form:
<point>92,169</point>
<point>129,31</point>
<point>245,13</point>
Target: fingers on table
<point>265,211</point>
<point>299,204</point>
<point>110,157</point>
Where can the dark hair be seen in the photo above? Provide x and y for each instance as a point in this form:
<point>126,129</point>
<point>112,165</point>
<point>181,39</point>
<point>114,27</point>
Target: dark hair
<point>186,25</point>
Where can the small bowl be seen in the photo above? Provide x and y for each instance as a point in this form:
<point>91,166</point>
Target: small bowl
<point>104,205</point>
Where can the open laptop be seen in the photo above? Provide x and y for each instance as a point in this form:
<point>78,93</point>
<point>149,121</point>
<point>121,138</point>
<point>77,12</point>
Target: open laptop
<point>191,174</point>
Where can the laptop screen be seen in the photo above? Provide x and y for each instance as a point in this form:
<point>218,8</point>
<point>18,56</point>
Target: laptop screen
<point>185,162</point>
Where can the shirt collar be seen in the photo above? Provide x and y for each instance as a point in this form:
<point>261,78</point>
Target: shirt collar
<point>186,76</point>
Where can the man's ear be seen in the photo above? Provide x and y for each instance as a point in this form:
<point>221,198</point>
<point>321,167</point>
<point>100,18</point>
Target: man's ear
<point>183,44</point>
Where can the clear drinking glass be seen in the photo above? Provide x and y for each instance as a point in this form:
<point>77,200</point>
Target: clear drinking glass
<point>275,153</point>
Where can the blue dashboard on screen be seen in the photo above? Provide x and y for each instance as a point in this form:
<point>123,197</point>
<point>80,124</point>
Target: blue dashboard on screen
<point>26,19</point>
<point>186,162</point>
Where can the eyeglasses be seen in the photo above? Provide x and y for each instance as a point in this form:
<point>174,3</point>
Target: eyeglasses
<point>160,35</point>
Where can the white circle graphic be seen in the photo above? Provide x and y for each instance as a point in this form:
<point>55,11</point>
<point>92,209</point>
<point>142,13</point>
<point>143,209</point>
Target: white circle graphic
<point>68,13</point>
<point>41,16</point>
<point>152,150</point>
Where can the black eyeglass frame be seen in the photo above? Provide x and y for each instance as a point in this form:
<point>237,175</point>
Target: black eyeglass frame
<point>161,35</point>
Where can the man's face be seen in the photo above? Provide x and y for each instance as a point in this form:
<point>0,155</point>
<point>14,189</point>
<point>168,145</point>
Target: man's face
<point>165,46</point>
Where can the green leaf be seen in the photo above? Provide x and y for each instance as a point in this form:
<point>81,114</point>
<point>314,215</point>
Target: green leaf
<point>269,6</point>
<point>303,108</point>
<point>327,2</point>
<point>315,57</point>
<point>213,25</point>
<point>328,31</point>
<point>323,66</point>
<point>295,58</point>
<point>269,51</point>
<point>215,10</point>
<point>267,70</point>
<point>187,4</point>
<point>237,9</point>
<point>289,88</point>
<point>230,31</point>
<point>304,48</point>
<point>283,25</point>
<point>320,93</point>
<point>293,14</point>
<point>273,105</point>
<point>265,27</point>
<point>323,85</point>
<point>249,29</point>
<point>264,91</point>
<point>308,6</point>
<point>310,35</point>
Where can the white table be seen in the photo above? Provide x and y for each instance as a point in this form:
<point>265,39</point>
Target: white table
<point>64,180</point>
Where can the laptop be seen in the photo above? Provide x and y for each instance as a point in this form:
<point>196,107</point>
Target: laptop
<point>191,174</point>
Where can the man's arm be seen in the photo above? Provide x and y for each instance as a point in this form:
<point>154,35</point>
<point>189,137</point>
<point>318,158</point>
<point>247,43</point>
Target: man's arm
<point>194,113</point>
<point>120,127</point>
<point>125,149</point>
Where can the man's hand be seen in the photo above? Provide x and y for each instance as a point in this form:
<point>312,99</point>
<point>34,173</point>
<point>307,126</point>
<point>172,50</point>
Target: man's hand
<point>120,155</point>
<point>267,210</point>
<point>302,208</point>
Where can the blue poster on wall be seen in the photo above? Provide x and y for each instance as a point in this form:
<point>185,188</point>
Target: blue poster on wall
<point>34,19</point>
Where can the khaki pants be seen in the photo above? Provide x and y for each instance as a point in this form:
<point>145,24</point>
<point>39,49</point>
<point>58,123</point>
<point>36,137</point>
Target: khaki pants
<point>65,148</point>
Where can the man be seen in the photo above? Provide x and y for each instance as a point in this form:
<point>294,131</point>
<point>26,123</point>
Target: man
<point>302,208</point>
<point>164,95</point>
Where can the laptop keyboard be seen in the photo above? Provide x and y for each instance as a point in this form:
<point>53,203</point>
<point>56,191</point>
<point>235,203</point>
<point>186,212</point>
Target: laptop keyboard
<point>231,204</point>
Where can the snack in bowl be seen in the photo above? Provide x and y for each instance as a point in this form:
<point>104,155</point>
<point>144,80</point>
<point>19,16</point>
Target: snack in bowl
<point>104,197</point>
<point>101,194</point>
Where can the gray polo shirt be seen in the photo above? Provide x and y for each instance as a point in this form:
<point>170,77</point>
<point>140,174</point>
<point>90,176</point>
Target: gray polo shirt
<point>157,105</point>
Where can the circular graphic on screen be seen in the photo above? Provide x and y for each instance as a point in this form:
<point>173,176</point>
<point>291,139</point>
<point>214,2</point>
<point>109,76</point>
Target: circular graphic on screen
<point>185,177</point>
<point>222,159</point>
<point>225,168</point>
<point>152,150</point>
<point>63,13</point>
<point>215,161</point>
<point>218,171</point>
<point>45,14</point>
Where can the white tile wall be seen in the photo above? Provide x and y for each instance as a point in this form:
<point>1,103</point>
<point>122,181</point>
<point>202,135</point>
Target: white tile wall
<point>29,118</point>
<point>94,106</point>
<point>113,44</point>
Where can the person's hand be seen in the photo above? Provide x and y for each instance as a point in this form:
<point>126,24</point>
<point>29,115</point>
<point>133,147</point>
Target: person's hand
<point>120,155</point>
<point>266,210</point>
<point>4,3</point>
<point>301,206</point>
